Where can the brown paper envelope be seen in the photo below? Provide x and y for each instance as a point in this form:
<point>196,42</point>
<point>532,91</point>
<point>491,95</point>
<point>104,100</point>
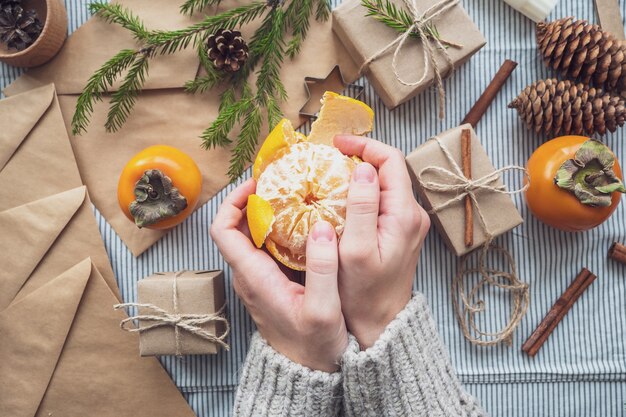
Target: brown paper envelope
<point>98,371</point>
<point>33,334</point>
<point>39,162</point>
<point>163,115</point>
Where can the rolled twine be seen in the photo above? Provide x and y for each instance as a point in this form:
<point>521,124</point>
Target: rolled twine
<point>188,322</point>
<point>467,308</point>
<point>419,26</point>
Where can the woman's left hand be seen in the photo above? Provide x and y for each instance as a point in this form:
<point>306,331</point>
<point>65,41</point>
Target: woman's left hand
<point>303,323</point>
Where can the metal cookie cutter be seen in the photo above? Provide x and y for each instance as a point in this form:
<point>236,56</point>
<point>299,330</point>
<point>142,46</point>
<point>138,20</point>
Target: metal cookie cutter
<point>315,88</point>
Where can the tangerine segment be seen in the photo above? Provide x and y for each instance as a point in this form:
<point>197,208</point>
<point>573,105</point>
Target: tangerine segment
<point>282,136</point>
<point>341,115</point>
<point>260,218</point>
<point>308,183</point>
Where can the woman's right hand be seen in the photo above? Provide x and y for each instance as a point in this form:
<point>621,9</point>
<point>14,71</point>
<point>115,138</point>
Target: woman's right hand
<point>303,323</point>
<point>380,246</point>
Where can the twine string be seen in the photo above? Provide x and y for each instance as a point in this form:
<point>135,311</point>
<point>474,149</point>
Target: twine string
<point>191,323</point>
<point>468,304</point>
<point>419,26</point>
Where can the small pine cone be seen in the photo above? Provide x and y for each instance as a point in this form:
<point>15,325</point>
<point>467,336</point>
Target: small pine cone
<point>227,50</point>
<point>563,108</point>
<point>19,28</point>
<point>583,52</point>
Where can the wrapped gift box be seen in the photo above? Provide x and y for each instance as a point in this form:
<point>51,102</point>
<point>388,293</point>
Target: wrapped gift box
<point>198,292</point>
<point>498,209</point>
<point>364,36</point>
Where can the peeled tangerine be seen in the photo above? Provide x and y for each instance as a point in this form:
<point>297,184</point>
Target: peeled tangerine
<point>301,180</point>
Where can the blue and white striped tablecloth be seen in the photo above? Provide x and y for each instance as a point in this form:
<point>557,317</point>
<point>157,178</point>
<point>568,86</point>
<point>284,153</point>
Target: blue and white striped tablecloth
<point>581,371</point>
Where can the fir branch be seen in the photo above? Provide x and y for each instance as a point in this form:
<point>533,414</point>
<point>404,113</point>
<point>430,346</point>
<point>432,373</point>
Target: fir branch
<point>274,113</point>
<point>227,98</point>
<point>97,85</point>
<point>297,16</point>
<point>246,142</point>
<point>123,100</point>
<point>208,81</point>
<point>217,134</point>
<point>116,13</point>
<point>400,19</point>
<point>169,42</point>
<point>323,10</point>
<point>191,6</point>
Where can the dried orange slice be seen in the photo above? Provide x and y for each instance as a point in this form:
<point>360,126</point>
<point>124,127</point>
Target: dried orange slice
<point>341,115</point>
<point>260,218</point>
<point>300,182</point>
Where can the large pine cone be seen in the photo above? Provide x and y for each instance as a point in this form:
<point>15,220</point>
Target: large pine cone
<point>19,28</point>
<point>564,108</point>
<point>583,52</point>
<point>227,50</point>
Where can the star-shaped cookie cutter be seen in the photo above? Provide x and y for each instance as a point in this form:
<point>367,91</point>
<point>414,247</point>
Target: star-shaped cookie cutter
<point>315,88</point>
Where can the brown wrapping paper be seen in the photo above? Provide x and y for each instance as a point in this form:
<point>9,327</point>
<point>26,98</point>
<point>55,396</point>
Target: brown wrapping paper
<point>164,113</point>
<point>365,36</point>
<point>499,211</point>
<point>36,162</point>
<point>68,356</point>
<point>199,292</point>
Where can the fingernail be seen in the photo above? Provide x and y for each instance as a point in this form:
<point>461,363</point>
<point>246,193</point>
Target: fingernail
<point>323,232</point>
<point>364,173</point>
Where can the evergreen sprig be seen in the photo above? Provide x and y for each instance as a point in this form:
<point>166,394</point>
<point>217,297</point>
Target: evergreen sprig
<point>400,19</point>
<point>240,104</point>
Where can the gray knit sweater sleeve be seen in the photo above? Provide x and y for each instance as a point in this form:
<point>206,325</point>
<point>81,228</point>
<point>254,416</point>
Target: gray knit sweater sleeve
<point>271,386</point>
<point>407,372</point>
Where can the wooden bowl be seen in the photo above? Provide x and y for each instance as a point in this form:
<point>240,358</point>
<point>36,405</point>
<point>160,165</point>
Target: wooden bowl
<point>54,17</point>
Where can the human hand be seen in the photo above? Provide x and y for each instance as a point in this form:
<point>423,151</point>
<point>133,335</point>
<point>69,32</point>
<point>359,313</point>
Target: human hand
<point>380,246</point>
<point>303,323</point>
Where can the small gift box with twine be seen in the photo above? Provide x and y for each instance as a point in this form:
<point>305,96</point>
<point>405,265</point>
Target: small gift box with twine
<point>180,313</point>
<point>442,187</point>
<point>402,63</point>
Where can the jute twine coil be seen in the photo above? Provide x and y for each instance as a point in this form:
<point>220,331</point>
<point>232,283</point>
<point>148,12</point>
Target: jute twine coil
<point>431,44</point>
<point>465,302</point>
<point>190,323</point>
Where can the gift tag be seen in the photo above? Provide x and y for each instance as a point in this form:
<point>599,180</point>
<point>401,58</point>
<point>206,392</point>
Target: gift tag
<point>610,17</point>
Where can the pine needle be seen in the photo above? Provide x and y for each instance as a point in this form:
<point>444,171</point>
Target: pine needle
<point>191,6</point>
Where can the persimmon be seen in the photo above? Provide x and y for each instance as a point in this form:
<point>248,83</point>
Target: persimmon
<point>575,183</point>
<point>159,187</point>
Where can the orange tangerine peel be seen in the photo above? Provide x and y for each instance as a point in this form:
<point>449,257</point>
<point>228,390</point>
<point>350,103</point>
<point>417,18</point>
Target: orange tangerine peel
<point>282,136</point>
<point>341,115</point>
<point>260,219</point>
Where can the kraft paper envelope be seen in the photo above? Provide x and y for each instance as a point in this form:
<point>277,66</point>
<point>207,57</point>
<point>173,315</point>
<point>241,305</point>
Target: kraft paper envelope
<point>164,113</point>
<point>65,355</point>
<point>36,161</point>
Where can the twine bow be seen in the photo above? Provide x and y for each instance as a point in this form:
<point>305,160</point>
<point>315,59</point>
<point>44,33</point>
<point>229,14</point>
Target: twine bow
<point>508,281</point>
<point>420,26</point>
<point>190,323</point>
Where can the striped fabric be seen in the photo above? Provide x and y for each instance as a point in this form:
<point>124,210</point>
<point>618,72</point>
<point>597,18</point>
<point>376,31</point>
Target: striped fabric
<point>580,371</point>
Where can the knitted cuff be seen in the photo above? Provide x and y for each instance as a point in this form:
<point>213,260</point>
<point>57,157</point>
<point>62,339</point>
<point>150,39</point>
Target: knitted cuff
<point>273,385</point>
<point>406,372</point>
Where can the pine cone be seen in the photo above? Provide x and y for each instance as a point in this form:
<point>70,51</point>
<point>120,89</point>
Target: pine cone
<point>583,52</point>
<point>227,50</point>
<point>564,108</point>
<point>19,28</point>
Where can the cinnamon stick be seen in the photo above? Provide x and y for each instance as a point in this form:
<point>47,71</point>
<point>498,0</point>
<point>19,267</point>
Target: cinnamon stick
<point>466,159</point>
<point>618,252</point>
<point>484,101</point>
<point>558,311</point>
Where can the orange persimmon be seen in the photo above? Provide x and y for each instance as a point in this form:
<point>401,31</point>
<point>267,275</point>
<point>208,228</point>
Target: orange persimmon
<point>575,183</point>
<point>159,187</point>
